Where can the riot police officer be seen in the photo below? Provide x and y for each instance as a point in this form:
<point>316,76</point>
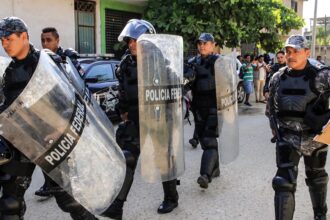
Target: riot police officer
<point>281,62</point>
<point>299,107</point>
<point>127,135</point>
<point>200,72</point>
<point>50,39</point>
<point>16,171</point>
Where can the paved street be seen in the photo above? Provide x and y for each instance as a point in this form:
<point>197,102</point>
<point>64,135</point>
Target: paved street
<point>243,191</point>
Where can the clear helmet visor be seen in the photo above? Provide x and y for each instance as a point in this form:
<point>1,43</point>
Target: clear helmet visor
<point>135,28</point>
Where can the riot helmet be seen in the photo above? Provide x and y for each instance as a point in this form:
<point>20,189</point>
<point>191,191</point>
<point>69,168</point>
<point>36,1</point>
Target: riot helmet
<point>135,28</point>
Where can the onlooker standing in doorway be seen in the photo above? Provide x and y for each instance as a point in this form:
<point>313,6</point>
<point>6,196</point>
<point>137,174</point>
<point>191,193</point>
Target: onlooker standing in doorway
<point>247,68</point>
<point>259,78</point>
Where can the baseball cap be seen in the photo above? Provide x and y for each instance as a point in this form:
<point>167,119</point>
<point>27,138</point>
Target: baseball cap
<point>206,37</point>
<point>297,42</point>
<point>10,25</point>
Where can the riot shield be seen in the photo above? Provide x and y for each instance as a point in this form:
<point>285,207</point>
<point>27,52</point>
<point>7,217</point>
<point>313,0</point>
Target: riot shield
<point>4,62</point>
<point>160,76</point>
<point>59,131</point>
<point>75,79</point>
<point>226,83</point>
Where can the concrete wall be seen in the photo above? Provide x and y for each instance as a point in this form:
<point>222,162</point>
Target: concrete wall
<point>40,13</point>
<point>324,52</point>
<point>287,3</point>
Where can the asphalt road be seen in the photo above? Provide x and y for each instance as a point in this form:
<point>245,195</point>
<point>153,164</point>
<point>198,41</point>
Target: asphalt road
<point>242,192</point>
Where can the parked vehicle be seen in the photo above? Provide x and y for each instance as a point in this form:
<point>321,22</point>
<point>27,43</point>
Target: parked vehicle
<point>100,78</point>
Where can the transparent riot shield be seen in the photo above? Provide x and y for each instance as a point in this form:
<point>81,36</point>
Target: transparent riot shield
<point>4,62</point>
<point>160,76</point>
<point>59,131</point>
<point>75,79</point>
<point>226,83</point>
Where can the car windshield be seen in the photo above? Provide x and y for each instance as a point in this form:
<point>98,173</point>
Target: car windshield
<point>84,66</point>
<point>101,72</point>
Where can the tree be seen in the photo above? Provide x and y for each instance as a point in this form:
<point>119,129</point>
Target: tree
<point>230,21</point>
<point>322,36</point>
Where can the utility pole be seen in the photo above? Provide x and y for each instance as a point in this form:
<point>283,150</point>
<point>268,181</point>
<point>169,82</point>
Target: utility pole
<point>314,30</point>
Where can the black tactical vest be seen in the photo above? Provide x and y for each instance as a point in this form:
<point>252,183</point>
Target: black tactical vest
<point>129,85</point>
<point>129,80</point>
<point>18,74</point>
<point>203,87</point>
<point>295,92</point>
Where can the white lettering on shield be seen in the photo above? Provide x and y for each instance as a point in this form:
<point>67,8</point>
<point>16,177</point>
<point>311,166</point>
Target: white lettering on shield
<point>162,94</point>
<point>69,138</point>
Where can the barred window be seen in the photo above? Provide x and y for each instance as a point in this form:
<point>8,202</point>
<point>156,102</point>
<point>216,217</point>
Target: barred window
<point>85,26</point>
<point>294,5</point>
<point>115,21</point>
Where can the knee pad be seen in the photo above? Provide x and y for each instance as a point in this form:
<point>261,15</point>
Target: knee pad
<point>317,182</point>
<point>281,184</point>
<point>286,155</point>
<point>209,143</point>
<point>131,160</point>
<point>211,127</point>
<point>11,206</point>
<point>314,165</point>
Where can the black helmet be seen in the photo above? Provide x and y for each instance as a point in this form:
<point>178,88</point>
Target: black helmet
<point>135,28</point>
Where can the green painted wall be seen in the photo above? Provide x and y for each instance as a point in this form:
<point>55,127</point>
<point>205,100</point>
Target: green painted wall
<point>113,4</point>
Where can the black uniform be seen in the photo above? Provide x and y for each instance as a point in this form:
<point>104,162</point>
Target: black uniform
<point>205,112</point>
<point>299,107</point>
<point>15,176</point>
<point>127,135</point>
<point>273,69</point>
<point>73,55</point>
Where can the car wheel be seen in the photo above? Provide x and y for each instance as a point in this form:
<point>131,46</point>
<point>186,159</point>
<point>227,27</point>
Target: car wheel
<point>240,93</point>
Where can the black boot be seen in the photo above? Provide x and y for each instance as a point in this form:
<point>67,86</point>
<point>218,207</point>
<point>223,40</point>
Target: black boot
<point>43,192</point>
<point>171,197</point>
<point>115,211</point>
<point>47,189</point>
<point>284,205</point>
<point>83,215</point>
<point>209,167</point>
<point>318,193</point>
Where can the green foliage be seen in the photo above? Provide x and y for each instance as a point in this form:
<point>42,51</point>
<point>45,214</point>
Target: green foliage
<point>322,36</point>
<point>230,21</point>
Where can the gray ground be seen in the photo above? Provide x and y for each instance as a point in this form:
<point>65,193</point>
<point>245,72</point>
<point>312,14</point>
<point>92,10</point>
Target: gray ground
<point>243,190</point>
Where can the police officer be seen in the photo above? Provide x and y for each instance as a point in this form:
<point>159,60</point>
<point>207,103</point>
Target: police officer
<point>200,72</point>
<point>281,62</point>
<point>127,135</point>
<point>299,107</point>
<point>16,172</point>
<point>50,39</point>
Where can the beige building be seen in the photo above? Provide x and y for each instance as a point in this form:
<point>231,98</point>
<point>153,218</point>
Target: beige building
<point>88,26</point>
<point>297,6</point>
<point>39,14</point>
